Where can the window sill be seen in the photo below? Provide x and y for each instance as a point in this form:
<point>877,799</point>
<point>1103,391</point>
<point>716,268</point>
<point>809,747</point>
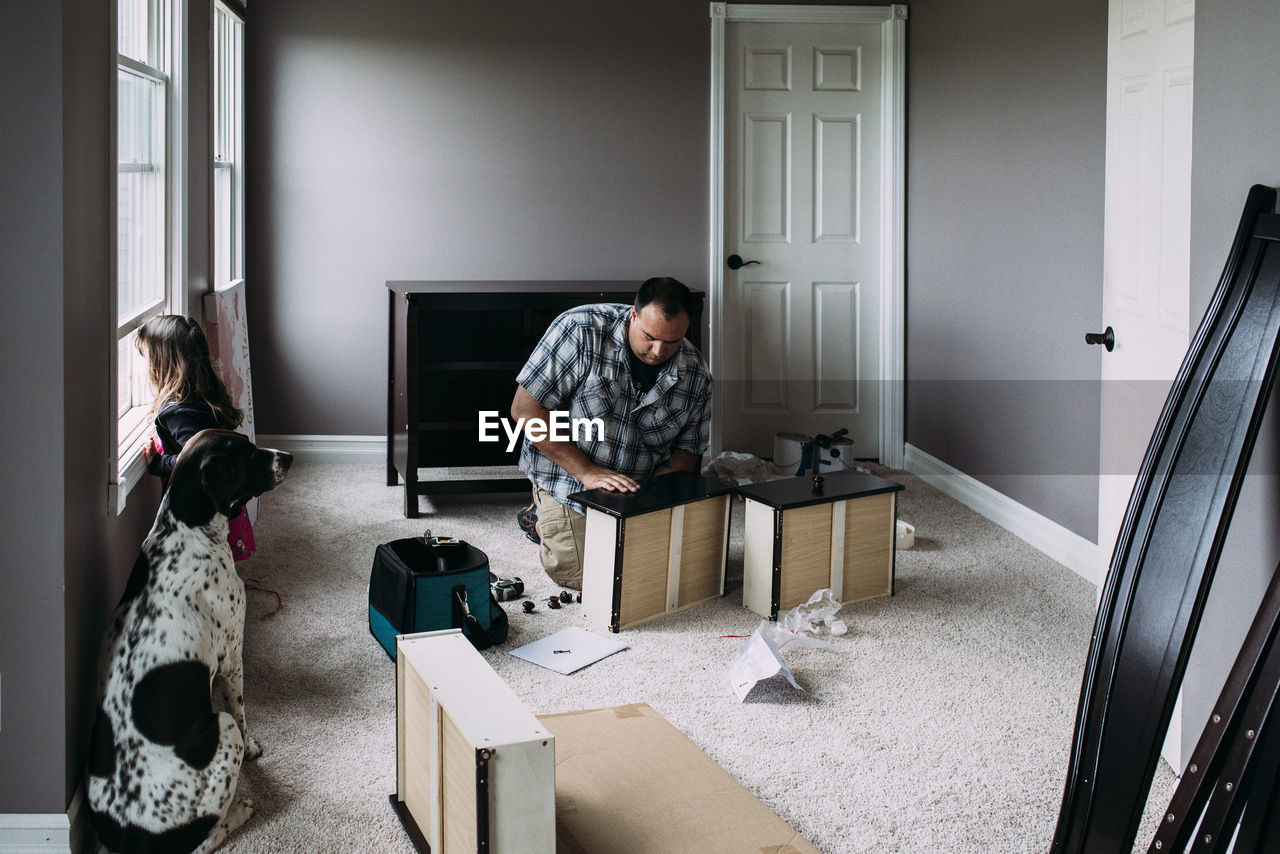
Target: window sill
<point>131,467</point>
<point>132,470</point>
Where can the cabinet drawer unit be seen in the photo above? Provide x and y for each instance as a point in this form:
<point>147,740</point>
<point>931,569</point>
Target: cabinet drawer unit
<point>798,540</point>
<point>475,771</point>
<point>653,552</point>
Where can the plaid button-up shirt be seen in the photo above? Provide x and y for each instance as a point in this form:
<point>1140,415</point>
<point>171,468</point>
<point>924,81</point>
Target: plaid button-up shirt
<point>581,366</point>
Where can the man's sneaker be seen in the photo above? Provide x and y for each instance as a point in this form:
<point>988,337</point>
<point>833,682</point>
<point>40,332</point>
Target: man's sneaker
<point>527,519</point>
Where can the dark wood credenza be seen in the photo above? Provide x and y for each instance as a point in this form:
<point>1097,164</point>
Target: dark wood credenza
<point>454,350</point>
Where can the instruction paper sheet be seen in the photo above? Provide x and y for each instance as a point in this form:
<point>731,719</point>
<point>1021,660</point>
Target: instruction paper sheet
<point>759,660</point>
<point>568,650</point>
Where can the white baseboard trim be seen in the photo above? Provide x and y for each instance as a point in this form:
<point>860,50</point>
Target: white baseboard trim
<point>1066,547</point>
<point>35,833</point>
<point>45,833</point>
<point>83,837</point>
<point>328,449</point>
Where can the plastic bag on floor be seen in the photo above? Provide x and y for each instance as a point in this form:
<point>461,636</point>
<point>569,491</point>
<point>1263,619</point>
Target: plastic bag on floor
<point>741,469</point>
<point>803,623</point>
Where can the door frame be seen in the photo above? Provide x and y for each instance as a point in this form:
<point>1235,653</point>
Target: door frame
<point>892,285</point>
<point>1162,81</point>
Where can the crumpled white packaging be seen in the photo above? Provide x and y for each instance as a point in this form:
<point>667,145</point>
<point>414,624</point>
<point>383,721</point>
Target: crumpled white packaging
<point>804,622</point>
<point>760,658</point>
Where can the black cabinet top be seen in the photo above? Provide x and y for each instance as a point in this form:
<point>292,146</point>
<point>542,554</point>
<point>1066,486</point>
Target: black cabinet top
<point>536,286</point>
<point>798,491</point>
<point>658,493</point>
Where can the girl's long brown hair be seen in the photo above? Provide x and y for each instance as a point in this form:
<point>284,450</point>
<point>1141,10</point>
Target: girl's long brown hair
<point>178,360</point>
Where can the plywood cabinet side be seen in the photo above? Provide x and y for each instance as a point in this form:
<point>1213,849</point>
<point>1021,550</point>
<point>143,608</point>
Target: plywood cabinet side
<point>703,547</point>
<point>806,553</point>
<point>758,557</point>
<point>645,560</point>
<point>458,796</point>
<point>419,741</point>
<point>869,532</point>
<point>600,565</point>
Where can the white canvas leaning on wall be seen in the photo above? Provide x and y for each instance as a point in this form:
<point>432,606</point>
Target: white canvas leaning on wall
<point>227,328</point>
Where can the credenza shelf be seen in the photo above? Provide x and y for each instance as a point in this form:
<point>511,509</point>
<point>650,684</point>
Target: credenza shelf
<point>454,350</point>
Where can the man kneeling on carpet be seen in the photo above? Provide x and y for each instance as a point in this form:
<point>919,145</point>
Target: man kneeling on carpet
<point>630,367</point>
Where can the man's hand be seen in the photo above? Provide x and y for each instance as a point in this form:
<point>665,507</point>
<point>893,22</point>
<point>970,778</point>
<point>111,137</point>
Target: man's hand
<point>566,454</point>
<point>598,477</point>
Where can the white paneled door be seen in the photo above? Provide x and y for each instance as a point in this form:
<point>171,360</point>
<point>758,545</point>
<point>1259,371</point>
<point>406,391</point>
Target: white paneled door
<point>1147,237</point>
<point>803,188</point>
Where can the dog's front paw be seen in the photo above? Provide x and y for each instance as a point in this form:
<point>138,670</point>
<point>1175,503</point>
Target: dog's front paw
<point>251,749</point>
<point>238,813</point>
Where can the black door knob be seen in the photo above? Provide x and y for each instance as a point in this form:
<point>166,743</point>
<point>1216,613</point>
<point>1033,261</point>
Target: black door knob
<point>1106,338</point>
<point>735,262</point>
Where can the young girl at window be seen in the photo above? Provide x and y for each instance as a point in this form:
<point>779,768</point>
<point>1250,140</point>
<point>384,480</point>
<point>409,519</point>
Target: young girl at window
<point>189,397</point>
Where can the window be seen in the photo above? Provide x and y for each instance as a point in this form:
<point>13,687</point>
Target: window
<point>228,146</point>
<point>146,140</point>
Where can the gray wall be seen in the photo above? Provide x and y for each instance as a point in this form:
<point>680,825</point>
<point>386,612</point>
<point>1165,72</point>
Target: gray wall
<point>66,554</point>
<point>31,335</point>
<point>402,139</point>
<point>1235,145</point>
<point>1006,150</point>
<point>473,139</point>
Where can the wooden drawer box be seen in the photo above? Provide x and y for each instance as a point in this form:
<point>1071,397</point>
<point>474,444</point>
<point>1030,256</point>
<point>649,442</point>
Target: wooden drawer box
<point>798,540</point>
<point>655,551</point>
<point>475,770</point>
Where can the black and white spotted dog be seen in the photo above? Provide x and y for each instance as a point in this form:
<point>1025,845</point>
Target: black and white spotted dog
<point>163,758</point>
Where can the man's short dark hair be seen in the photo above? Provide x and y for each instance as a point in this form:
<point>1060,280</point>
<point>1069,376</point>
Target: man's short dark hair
<point>670,296</point>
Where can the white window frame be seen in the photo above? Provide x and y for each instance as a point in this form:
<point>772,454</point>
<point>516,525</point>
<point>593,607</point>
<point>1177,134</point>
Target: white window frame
<point>228,140</point>
<point>167,45</point>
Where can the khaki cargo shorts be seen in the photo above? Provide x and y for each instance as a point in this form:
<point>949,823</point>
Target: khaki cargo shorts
<point>563,532</point>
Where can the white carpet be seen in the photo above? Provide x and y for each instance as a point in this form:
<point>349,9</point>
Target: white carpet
<point>942,721</point>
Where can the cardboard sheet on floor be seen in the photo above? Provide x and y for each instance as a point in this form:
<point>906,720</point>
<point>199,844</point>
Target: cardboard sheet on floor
<point>628,782</point>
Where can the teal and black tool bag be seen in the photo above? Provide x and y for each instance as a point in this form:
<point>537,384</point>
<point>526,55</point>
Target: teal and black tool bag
<point>424,584</point>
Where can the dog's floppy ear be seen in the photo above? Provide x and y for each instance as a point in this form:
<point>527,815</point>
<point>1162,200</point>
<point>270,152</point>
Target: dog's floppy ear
<point>218,478</point>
